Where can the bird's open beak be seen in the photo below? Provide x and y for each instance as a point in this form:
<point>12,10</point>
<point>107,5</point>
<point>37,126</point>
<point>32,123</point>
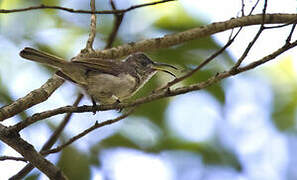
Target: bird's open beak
<point>161,67</point>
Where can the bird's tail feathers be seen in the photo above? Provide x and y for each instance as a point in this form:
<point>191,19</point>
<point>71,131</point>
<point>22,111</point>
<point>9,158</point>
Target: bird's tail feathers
<point>43,57</point>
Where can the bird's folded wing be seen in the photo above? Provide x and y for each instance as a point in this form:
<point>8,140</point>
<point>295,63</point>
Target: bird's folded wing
<point>101,65</point>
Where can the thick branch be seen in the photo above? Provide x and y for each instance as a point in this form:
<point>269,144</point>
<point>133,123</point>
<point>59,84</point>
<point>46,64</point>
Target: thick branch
<point>120,11</point>
<point>29,153</point>
<point>195,33</point>
<point>35,97</point>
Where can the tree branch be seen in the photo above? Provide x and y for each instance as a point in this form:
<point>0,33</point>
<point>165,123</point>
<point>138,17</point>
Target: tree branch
<point>120,11</point>
<point>4,158</point>
<point>89,46</point>
<point>251,44</point>
<point>50,142</point>
<point>195,33</point>
<point>204,63</point>
<point>90,129</point>
<point>29,153</point>
<point>34,97</point>
<point>117,22</point>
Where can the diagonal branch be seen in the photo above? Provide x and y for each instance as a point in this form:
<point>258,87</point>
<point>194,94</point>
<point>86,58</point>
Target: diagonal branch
<point>204,63</point>
<point>120,11</point>
<point>251,44</point>
<point>90,129</point>
<point>89,46</point>
<point>30,154</point>
<point>50,142</point>
<point>291,33</point>
<point>191,34</point>
<point>34,97</point>
<point>117,22</point>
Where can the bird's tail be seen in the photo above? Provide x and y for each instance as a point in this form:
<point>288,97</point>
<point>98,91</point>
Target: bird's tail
<point>43,57</point>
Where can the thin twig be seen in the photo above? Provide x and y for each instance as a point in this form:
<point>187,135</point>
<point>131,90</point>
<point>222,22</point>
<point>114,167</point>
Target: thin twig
<point>253,8</point>
<point>205,62</point>
<point>242,7</point>
<point>4,158</point>
<point>247,50</point>
<point>117,22</point>
<point>85,132</point>
<point>89,46</point>
<point>120,11</point>
<point>291,33</point>
<point>50,142</point>
<point>251,44</point>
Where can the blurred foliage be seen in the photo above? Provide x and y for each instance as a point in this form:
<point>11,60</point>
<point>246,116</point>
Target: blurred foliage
<point>74,164</point>
<point>283,77</point>
<point>212,153</point>
<point>32,177</point>
<point>6,98</point>
<point>172,16</point>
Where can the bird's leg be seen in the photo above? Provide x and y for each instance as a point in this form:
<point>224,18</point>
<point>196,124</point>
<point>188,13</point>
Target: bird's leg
<point>117,102</point>
<point>94,105</point>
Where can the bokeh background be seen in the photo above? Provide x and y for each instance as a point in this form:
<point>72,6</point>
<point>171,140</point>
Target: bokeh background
<point>243,128</point>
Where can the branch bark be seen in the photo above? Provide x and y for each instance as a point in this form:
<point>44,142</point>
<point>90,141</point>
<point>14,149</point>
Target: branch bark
<point>195,33</point>
<point>89,45</point>
<point>4,158</point>
<point>29,153</point>
<point>120,11</point>
<point>50,142</point>
<point>35,97</point>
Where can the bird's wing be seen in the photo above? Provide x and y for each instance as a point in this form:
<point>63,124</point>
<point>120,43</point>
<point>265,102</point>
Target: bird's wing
<point>101,65</point>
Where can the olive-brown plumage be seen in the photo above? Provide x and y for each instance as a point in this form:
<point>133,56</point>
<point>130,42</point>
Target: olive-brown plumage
<point>105,80</point>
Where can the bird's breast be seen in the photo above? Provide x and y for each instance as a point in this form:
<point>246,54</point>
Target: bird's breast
<point>102,87</point>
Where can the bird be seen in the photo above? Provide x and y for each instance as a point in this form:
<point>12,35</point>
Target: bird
<point>106,81</point>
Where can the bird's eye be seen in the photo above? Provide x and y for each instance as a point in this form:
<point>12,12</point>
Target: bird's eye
<point>144,63</point>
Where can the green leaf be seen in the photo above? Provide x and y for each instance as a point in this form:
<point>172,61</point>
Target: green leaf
<point>74,164</point>
<point>34,176</point>
<point>50,3</point>
<point>117,140</point>
<point>212,153</point>
<point>175,18</point>
<point>285,112</point>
